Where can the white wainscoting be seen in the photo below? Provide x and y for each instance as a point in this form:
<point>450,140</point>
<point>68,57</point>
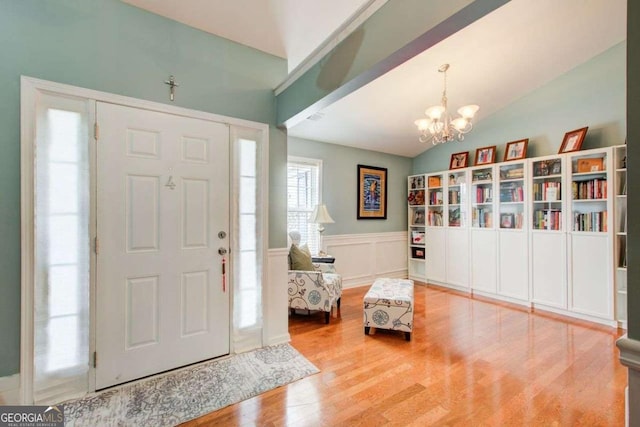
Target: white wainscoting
<point>10,390</point>
<point>361,258</point>
<point>275,299</point>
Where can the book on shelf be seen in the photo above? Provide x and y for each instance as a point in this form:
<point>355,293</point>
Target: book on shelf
<point>547,219</point>
<point>418,217</point>
<point>590,221</point>
<point>482,217</point>
<point>622,254</point>
<point>590,165</point>
<point>435,219</point>
<point>435,181</point>
<point>512,173</point>
<point>454,197</point>
<point>435,197</point>
<point>541,191</point>
<point>484,194</point>
<point>547,167</point>
<point>511,193</point>
<point>591,189</point>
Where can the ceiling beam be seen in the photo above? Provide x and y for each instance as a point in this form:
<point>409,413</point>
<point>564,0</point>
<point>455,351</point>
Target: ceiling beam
<point>396,33</point>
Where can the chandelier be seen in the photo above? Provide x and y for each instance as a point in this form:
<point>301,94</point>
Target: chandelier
<point>438,127</point>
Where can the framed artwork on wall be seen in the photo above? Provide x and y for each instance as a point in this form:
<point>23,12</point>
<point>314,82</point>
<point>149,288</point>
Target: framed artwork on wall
<point>485,155</point>
<point>572,140</point>
<point>372,192</point>
<point>516,150</point>
<point>459,160</point>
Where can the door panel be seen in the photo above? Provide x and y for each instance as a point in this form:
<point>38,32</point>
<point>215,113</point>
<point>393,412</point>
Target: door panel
<point>162,198</point>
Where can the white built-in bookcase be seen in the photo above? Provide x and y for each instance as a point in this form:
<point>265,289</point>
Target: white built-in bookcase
<point>547,232</point>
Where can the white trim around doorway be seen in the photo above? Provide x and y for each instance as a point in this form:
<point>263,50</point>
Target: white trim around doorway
<point>30,90</point>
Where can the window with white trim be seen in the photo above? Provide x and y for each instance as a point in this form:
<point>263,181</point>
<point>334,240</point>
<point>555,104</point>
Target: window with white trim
<point>62,248</point>
<point>303,194</point>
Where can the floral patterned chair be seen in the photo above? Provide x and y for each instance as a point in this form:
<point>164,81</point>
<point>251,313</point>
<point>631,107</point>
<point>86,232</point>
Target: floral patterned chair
<point>318,290</point>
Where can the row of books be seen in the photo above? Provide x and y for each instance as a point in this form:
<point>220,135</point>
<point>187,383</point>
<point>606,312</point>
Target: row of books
<point>482,217</point>
<point>592,189</point>
<point>435,219</point>
<point>484,194</point>
<point>512,194</point>
<point>591,221</point>
<point>541,190</point>
<point>547,219</point>
<point>454,197</point>
<point>435,197</point>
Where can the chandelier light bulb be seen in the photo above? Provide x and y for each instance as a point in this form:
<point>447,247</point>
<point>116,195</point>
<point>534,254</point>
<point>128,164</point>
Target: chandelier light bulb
<point>439,127</point>
<point>423,124</point>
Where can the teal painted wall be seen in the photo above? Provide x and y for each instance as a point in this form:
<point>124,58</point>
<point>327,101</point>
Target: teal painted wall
<point>113,47</point>
<point>592,94</point>
<point>340,188</point>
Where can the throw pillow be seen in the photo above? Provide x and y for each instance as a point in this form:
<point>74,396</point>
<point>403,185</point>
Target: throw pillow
<point>305,248</point>
<point>299,260</point>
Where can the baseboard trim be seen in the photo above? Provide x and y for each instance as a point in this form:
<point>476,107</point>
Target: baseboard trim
<point>280,339</point>
<point>355,282</point>
<point>10,390</point>
<point>572,314</point>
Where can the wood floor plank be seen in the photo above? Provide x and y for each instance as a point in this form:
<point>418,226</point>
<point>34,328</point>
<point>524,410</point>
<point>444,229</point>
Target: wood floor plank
<point>469,362</point>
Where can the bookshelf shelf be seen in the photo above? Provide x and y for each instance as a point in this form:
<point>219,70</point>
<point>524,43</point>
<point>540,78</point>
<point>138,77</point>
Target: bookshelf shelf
<point>620,226</point>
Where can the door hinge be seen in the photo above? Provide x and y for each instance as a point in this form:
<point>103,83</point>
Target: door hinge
<point>95,359</point>
<point>96,131</point>
<point>96,245</point>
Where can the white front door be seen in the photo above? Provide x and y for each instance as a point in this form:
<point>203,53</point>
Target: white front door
<point>162,200</point>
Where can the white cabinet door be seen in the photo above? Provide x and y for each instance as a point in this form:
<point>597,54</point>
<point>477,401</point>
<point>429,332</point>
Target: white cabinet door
<point>513,265</point>
<point>435,255</point>
<point>458,257</point>
<point>548,268</point>
<point>162,198</point>
<point>483,260</point>
<point>591,277</point>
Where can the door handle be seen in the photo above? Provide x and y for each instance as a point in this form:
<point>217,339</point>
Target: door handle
<point>222,251</point>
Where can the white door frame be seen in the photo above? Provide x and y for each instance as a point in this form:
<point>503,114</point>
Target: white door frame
<point>30,90</point>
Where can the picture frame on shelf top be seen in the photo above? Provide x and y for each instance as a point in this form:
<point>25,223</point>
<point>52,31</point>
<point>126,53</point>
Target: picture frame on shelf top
<point>573,140</point>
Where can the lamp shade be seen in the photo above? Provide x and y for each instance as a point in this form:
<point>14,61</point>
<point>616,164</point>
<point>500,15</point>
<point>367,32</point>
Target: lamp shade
<point>321,215</point>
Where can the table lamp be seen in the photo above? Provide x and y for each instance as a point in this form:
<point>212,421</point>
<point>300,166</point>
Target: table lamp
<point>321,216</point>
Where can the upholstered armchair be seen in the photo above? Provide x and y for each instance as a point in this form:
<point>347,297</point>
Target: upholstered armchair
<point>315,290</point>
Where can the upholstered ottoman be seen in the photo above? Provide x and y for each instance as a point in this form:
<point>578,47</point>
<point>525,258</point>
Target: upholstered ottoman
<point>389,305</point>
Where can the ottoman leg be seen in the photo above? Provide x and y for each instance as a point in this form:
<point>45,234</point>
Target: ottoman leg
<point>366,330</point>
<point>407,336</point>
<point>327,316</point>
<point>338,303</point>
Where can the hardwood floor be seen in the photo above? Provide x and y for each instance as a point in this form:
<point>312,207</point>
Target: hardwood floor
<point>470,362</point>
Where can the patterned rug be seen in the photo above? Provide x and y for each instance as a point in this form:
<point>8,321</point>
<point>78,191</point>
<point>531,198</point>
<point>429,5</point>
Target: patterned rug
<point>176,397</point>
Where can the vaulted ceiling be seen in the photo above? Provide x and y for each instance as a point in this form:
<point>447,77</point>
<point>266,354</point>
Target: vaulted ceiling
<point>494,61</point>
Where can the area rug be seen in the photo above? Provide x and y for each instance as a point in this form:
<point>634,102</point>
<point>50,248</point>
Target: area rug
<point>176,397</point>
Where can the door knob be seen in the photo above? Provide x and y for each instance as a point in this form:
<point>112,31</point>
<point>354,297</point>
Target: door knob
<point>222,251</point>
